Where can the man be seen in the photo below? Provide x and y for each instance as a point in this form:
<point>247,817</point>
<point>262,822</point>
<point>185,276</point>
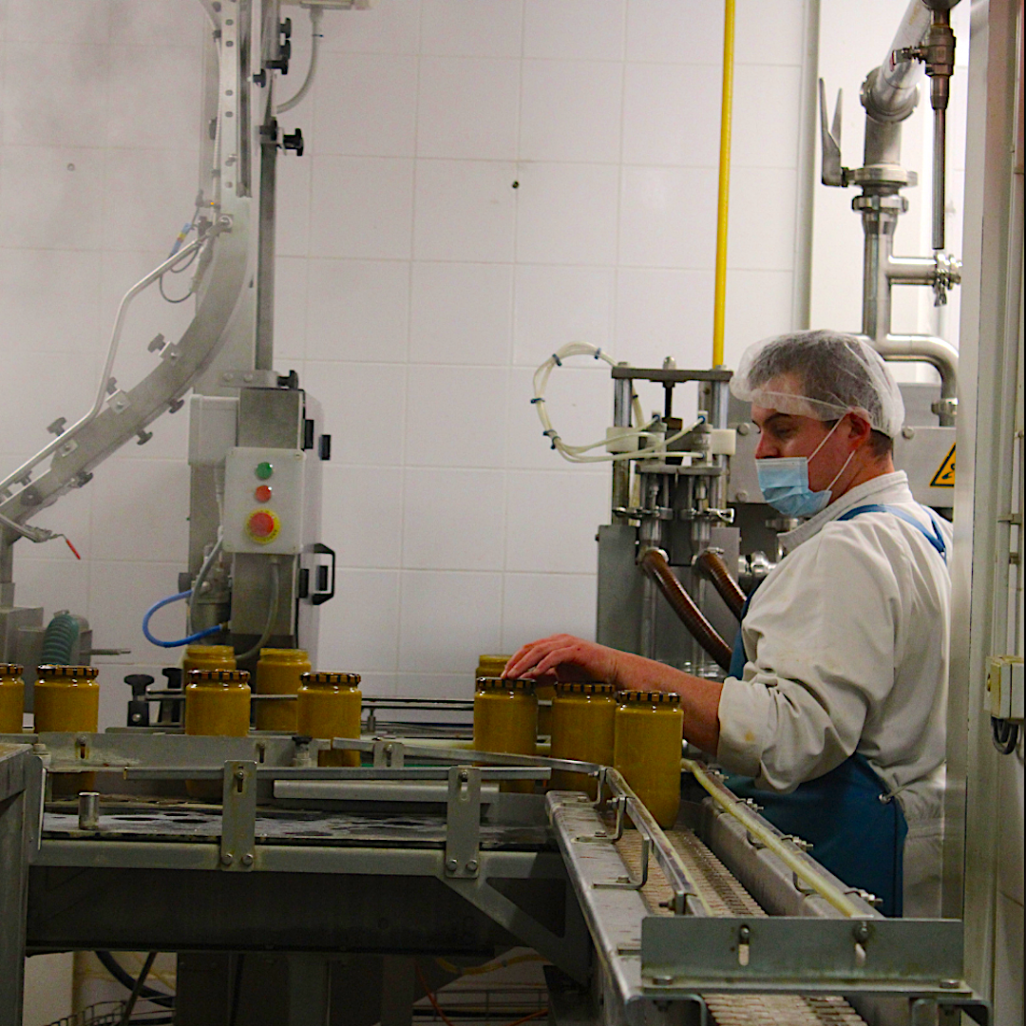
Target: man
<point>834,707</point>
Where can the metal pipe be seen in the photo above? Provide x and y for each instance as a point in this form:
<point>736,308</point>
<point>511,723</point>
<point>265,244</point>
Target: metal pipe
<point>924,349</point>
<point>622,390</point>
<point>889,92</point>
<point>878,237</point>
<point>939,200</point>
<point>653,562</point>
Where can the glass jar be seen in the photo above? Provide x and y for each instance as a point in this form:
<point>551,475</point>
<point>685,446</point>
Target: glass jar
<point>328,705</point>
<point>12,698</point>
<point>506,720</point>
<point>279,672</point>
<point>583,723</point>
<point>67,698</point>
<point>207,657</point>
<point>493,665</point>
<point>647,749</point>
<point>217,702</point>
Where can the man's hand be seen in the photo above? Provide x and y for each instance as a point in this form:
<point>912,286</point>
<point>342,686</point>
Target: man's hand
<point>564,657</point>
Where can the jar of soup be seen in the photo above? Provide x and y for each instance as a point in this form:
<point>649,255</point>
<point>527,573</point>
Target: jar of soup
<point>583,721</point>
<point>647,749</point>
<point>279,672</point>
<point>12,698</point>
<point>328,705</point>
<point>67,698</point>
<point>506,720</point>
<point>217,702</point>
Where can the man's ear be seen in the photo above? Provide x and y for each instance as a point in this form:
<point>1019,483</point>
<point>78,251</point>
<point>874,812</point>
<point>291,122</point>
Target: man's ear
<point>859,428</point>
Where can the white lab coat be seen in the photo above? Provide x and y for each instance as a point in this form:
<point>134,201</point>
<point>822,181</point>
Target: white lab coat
<point>847,647</point>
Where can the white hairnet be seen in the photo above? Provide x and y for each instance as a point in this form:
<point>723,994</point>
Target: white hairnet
<point>821,374</point>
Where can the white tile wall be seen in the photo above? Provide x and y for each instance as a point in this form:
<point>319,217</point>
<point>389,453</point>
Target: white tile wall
<point>484,181</point>
<point>467,108</point>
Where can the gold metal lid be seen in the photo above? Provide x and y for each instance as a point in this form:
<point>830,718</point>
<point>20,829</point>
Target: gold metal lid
<point>331,677</point>
<point>505,684</point>
<point>11,669</point>
<point>55,670</point>
<point>298,654</point>
<point>664,697</point>
<point>583,687</point>
<point>219,676</point>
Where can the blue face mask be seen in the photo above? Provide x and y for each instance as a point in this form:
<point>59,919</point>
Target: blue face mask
<point>784,481</point>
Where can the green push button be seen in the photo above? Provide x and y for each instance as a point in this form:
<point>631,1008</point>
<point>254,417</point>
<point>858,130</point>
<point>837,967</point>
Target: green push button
<point>264,470</point>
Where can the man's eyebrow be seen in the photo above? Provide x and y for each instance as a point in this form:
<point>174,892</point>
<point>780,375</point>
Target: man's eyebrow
<point>777,418</point>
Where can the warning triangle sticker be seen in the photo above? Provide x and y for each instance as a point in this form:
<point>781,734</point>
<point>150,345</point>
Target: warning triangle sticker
<point>945,476</point>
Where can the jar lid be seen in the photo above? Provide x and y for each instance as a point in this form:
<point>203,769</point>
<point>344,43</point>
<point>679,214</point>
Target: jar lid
<point>330,677</point>
<point>221,676</point>
<point>11,669</point>
<point>504,684</point>
<point>219,650</point>
<point>581,687</point>
<point>664,697</point>
<point>493,660</point>
<point>299,654</point>
<point>55,670</point>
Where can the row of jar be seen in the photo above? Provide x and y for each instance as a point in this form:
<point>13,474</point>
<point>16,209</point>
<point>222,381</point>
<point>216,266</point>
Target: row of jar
<point>217,698</point>
<point>639,733</point>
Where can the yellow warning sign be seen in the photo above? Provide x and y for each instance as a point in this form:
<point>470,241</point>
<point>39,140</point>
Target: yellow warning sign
<point>945,476</point>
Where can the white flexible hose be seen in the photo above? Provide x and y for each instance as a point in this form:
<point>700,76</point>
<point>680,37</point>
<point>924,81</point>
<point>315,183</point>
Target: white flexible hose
<point>112,350</point>
<point>272,612</point>
<point>197,585</point>
<point>311,71</point>
<point>576,453</point>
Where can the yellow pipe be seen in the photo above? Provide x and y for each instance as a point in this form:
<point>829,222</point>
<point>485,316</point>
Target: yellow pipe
<point>723,201</point>
<point>801,869</point>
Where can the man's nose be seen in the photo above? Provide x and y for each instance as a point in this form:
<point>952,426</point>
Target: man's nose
<point>765,448</point>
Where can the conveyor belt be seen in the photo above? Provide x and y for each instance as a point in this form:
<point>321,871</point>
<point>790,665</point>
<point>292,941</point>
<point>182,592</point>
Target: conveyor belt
<point>723,895</point>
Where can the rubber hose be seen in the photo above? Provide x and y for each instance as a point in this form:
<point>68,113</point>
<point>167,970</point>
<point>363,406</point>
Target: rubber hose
<point>653,562</point>
<point>711,564</point>
<point>59,639</point>
<point>126,979</point>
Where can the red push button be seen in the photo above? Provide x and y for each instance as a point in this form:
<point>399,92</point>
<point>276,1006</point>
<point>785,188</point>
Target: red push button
<point>263,493</point>
<point>263,526</point>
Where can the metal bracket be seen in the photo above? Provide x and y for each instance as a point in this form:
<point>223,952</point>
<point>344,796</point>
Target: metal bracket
<point>389,754</point>
<point>463,822</point>
<point>630,883</point>
<point>238,816</point>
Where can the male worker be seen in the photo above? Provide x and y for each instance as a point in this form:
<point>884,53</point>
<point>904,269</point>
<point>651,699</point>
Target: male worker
<point>834,708</point>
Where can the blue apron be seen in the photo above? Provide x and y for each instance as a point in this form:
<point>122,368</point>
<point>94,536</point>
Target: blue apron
<point>855,826</point>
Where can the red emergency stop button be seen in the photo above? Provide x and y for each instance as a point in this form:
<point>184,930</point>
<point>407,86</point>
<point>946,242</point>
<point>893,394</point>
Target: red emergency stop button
<point>262,493</point>
<point>263,526</point>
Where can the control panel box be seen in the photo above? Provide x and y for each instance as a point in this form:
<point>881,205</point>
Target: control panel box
<point>263,500</point>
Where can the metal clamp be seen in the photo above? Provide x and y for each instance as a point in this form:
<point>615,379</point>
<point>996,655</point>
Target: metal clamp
<point>463,822</point>
<point>238,816</point>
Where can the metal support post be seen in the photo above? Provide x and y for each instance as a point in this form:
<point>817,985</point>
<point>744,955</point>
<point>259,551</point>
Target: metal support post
<point>21,779</point>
